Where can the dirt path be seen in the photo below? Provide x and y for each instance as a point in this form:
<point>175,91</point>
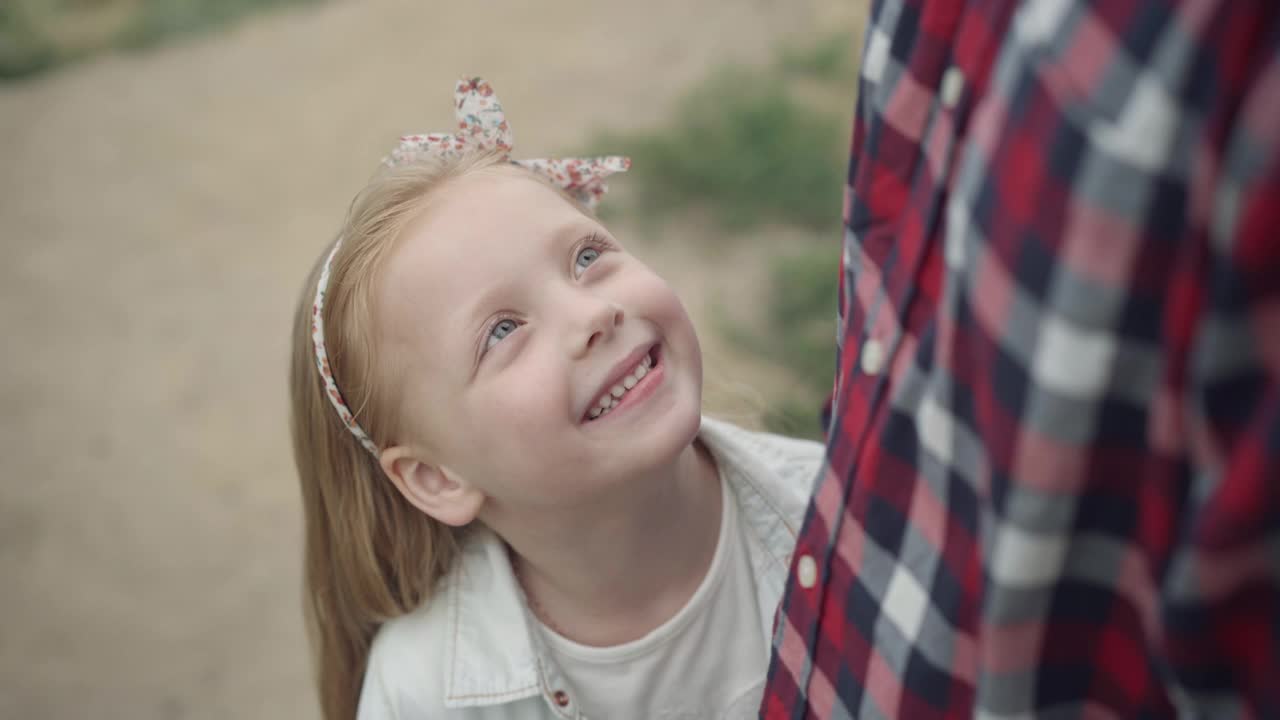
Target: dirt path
<point>157,214</point>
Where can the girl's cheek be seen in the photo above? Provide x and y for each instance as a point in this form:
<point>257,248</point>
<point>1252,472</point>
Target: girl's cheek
<point>532,380</point>
<point>653,290</point>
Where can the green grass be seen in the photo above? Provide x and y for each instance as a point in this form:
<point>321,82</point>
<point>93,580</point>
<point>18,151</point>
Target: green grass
<point>765,148</point>
<point>38,35</point>
<point>743,147</point>
<point>830,59</point>
<point>797,334</point>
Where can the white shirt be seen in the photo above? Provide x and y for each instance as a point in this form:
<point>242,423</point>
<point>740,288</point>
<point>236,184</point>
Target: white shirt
<point>473,650</point>
<point>707,661</point>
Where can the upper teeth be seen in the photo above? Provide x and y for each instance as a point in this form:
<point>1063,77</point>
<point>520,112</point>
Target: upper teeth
<point>611,398</point>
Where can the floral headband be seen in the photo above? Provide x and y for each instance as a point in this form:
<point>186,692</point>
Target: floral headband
<point>481,126</point>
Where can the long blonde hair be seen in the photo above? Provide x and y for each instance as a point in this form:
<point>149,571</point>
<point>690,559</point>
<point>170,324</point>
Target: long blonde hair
<point>370,555</point>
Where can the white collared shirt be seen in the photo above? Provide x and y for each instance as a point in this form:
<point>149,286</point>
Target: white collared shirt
<point>474,651</point>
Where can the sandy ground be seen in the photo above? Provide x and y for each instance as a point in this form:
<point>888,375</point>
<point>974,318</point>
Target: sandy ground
<point>157,214</point>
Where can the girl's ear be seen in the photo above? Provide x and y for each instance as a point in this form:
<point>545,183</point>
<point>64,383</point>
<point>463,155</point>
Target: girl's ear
<point>433,489</point>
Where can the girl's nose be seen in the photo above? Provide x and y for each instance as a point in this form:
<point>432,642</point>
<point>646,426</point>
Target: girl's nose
<point>599,322</point>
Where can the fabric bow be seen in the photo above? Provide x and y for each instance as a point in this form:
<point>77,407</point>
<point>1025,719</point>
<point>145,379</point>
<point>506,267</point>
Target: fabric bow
<point>482,125</point>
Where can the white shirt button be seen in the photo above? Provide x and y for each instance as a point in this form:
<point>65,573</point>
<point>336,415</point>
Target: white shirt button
<point>952,86</point>
<point>872,357</point>
<point>807,571</point>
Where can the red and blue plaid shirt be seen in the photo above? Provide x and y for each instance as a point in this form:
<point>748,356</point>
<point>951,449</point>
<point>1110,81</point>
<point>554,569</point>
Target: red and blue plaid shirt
<point>1053,477</point>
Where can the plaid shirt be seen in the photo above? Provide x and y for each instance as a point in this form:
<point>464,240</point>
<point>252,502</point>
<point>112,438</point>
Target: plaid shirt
<point>1053,469</point>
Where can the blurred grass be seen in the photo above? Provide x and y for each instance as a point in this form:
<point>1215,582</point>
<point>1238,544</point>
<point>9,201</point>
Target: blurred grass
<point>744,147</point>
<point>39,35</point>
<point>797,333</point>
<point>758,149</point>
<point>830,59</point>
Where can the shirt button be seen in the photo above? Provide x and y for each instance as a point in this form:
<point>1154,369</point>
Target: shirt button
<point>952,86</point>
<point>807,572</point>
<point>872,357</point>
<point>561,697</point>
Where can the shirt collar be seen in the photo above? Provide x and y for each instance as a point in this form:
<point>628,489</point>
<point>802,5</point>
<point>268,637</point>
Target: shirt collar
<point>491,657</point>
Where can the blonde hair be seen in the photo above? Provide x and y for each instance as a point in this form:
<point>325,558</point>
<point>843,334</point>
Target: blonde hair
<point>369,554</point>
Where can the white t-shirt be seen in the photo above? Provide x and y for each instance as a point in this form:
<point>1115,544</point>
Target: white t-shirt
<point>708,661</point>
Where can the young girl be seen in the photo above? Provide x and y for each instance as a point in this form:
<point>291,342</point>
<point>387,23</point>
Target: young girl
<point>514,508</point>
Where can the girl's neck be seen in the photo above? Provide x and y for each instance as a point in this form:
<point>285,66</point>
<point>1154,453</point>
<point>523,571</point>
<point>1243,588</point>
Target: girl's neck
<point>621,572</point>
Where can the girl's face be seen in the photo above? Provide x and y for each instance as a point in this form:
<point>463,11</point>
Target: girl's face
<point>505,316</point>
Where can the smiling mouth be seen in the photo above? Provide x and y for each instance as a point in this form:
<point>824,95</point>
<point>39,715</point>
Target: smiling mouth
<point>623,391</point>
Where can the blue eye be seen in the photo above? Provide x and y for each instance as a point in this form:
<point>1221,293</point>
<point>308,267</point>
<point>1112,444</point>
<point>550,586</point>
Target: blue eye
<point>500,330</point>
<point>585,257</point>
